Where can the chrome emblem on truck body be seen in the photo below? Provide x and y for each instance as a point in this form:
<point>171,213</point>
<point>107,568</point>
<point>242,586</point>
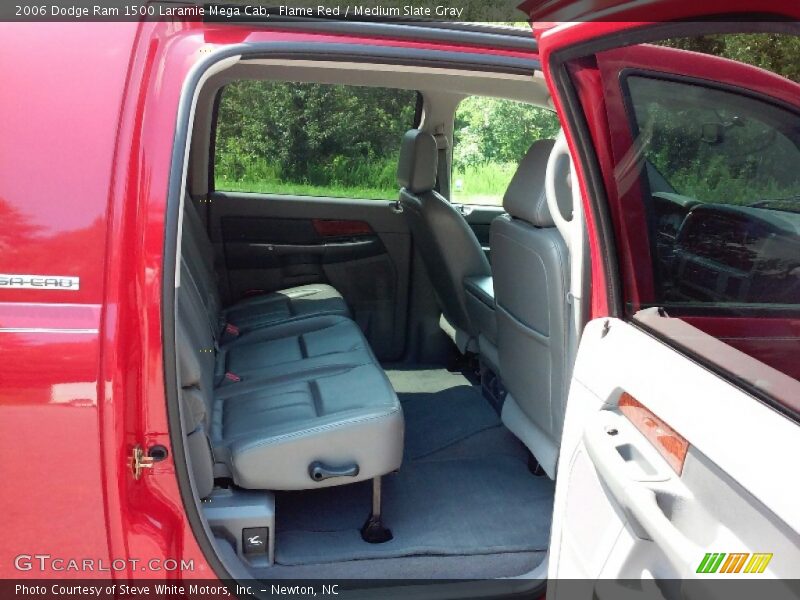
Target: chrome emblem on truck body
<point>40,282</point>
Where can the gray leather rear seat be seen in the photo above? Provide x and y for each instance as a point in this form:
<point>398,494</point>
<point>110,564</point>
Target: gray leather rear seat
<point>276,351</point>
<point>268,434</point>
<point>301,392</point>
<point>257,311</point>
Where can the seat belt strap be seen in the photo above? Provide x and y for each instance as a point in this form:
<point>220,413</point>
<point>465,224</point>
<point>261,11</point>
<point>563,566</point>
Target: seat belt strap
<point>442,166</point>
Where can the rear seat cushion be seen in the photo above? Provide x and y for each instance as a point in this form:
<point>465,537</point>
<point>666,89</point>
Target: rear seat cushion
<point>335,407</point>
<point>312,346</point>
<point>270,434</point>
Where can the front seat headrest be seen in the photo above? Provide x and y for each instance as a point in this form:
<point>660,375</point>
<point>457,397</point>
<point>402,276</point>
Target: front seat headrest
<point>525,197</point>
<point>416,169</point>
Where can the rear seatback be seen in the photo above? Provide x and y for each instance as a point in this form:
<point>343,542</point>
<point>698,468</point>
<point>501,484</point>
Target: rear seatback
<point>281,398</point>
<point>195,407</point>
<point>257,311</point>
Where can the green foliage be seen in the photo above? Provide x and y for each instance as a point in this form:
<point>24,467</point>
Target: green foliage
<point>753,160</point>
<point>771,51</point>
<point>260,175</point>
<point>492,130</point>
<point>275,135</point>
<point>484,183</point>
<point>491,135</point>
<point>333,140</point>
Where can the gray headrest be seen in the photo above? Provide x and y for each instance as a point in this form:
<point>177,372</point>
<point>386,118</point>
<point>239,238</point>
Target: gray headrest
<point>416,170</point>
<point>525,197</point>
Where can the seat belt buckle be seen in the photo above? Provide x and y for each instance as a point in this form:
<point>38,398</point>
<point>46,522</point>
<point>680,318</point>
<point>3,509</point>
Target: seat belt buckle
<point>232,377</point>
<point>229,332</point>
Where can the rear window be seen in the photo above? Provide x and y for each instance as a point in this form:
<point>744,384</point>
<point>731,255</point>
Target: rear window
<point>311,139</point>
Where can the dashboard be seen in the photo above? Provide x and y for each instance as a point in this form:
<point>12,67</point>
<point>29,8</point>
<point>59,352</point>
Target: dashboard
<point>726,253</point>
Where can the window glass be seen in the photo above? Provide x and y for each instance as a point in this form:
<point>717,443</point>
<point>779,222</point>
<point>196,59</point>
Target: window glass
<point>716,146</point>
<point>724,183</point>
<point>490,138</point>
<point>311,139</point>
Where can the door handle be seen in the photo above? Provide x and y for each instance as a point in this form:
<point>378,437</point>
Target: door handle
<point>639,498</point>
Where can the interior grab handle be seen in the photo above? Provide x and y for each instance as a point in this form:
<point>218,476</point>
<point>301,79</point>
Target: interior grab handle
<point>559,152</point>
<point>571,231</point>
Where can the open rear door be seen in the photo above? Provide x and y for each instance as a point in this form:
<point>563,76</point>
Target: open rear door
<point>679,457</point>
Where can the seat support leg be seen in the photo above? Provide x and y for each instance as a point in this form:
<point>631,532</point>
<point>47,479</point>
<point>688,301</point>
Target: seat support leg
<point>373,530</point>
<point>533,465</point>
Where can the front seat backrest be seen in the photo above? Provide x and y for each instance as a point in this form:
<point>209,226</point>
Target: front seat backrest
<point>531,269</point>
<point>446,243</point>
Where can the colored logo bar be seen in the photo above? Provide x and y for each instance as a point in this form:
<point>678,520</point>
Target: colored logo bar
<point>737,562</point>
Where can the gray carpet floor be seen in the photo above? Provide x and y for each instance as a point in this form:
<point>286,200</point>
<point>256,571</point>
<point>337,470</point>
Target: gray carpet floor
<point>447,507</point>
<point>463,493</point>
<point>476,566</point>
<point>437,420</point>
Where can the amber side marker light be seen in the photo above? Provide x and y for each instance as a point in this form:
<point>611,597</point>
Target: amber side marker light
<point>669,443</point>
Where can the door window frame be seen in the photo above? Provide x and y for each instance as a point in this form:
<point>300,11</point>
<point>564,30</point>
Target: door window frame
<point>178,171</point>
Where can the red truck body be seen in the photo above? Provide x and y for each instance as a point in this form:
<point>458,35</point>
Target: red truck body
<point>85,180</point>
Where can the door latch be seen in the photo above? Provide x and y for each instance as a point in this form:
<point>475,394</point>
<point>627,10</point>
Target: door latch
<point>140,462</point>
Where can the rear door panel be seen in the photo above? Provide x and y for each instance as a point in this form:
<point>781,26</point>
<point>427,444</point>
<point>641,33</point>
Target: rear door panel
<point>362,248</point>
